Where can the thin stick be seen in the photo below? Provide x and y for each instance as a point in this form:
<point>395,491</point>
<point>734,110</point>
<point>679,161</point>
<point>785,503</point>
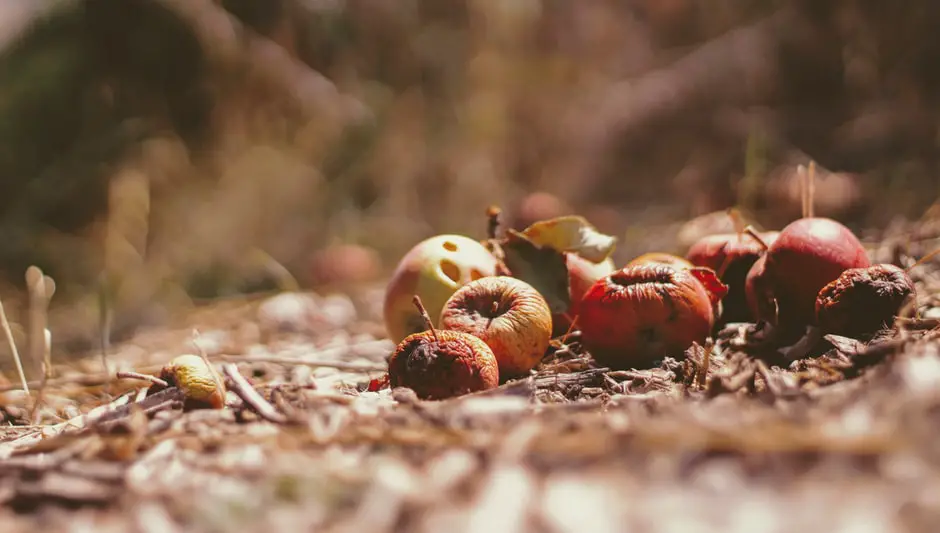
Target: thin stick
<point>104,324</point>
<point>737,220</point>
<point>811,190</point>
<point>16,354</point>
<point>339,365</point>
<point>424,314</point>
<point>251,397</point>
<point>801,172</point>
<point>752,233</point>
<point>127,374</point>
<point>493,216</point>
<point>923,259</point>
<point>38,316</point>
<point>205,359</point>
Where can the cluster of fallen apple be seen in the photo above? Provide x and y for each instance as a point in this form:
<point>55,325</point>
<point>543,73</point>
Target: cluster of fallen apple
<point>491,307</point>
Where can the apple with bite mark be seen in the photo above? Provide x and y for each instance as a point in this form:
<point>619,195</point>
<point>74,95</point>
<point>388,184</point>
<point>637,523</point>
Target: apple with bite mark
<point>808,254</point>
<point>433,270</point>
<point>438,364</point>
<point>643,313</point>
<point>508,314</point>
<point>731,255</point>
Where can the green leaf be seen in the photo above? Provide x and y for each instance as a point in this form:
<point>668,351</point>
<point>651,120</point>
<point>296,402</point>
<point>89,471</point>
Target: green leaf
<point>574,234</point>
<point>543,267</point>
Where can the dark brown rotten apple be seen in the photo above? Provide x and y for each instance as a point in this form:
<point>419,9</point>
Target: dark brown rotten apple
<point>863,301</point>
<point>439,364</point>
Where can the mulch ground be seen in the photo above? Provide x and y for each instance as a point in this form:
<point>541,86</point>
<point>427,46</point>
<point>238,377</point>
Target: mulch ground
<point>733,438</point>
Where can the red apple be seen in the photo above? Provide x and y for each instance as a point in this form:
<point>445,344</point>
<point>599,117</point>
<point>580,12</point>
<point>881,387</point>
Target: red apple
<point>643,313</point>
<point>731,255</point>
<point>808,254</point>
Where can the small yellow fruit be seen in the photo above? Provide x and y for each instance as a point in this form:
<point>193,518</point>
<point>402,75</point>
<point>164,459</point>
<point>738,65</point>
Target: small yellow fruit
<point>200,383</point>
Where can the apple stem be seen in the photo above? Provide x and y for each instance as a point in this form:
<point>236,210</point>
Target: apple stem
<point>752,233</point>
<point>801,172</point>
<point>811,190</point>
<point>739,225</point>
<point>427,318</point>
<point>493,216</point>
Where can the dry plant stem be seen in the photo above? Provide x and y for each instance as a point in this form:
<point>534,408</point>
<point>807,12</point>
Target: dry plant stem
<point>737,220</point>
<point>752,233</point>
<point>339,365</point>
<point>801,172</point>
<point>40,288</point>
<point>810,191</point>
<point>251,397</point>
<point>81,380</point>
<point>16,354</point>
<point>425,317</point>
<point>205,359</point>
<point>493,216</point>
<point>143,377</point>
<point>104,323</point>
<point>923,260</point>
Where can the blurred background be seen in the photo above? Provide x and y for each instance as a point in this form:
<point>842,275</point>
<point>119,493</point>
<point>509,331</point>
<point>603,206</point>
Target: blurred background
<point>156,153</point>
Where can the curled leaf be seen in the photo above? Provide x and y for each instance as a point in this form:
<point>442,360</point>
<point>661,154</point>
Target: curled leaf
<point>713,286</point>
<point>545,268</point>
<point>572,233</point>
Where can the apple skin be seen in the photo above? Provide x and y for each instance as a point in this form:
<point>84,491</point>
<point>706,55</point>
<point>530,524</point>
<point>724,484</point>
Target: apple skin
<point>433,269</point>
<point>442,364</point>
<point>731,255</point>
<point>581,275</point>
<point>660,257</point>
<point>808,254</point>
<point>509,315</point>
<point>643,313</point>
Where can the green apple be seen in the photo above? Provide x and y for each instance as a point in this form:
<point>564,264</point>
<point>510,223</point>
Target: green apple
<point>433,270</point>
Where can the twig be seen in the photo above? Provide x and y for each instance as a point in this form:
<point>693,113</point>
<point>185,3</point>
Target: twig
<point>40,288</point>
<point>250,396</point>
<point>143,377</point>
<point>339,365</point>
<point>84,380</point>
<point>16,354</point>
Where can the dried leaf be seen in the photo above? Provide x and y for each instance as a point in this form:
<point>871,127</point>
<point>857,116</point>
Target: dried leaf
<point>572,234</point>
<point>713,286</point>
<point>544,268</point>
<point>846,345</point>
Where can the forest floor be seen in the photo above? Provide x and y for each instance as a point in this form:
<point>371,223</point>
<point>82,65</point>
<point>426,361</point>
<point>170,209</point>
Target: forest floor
<point>847,441</point>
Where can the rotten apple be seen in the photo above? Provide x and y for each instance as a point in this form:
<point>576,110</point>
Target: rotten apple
<point>643,313</point>
<point>438,364</point>
<point>508,314</point>
<point>862,301</point>
<point>433,269</point>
